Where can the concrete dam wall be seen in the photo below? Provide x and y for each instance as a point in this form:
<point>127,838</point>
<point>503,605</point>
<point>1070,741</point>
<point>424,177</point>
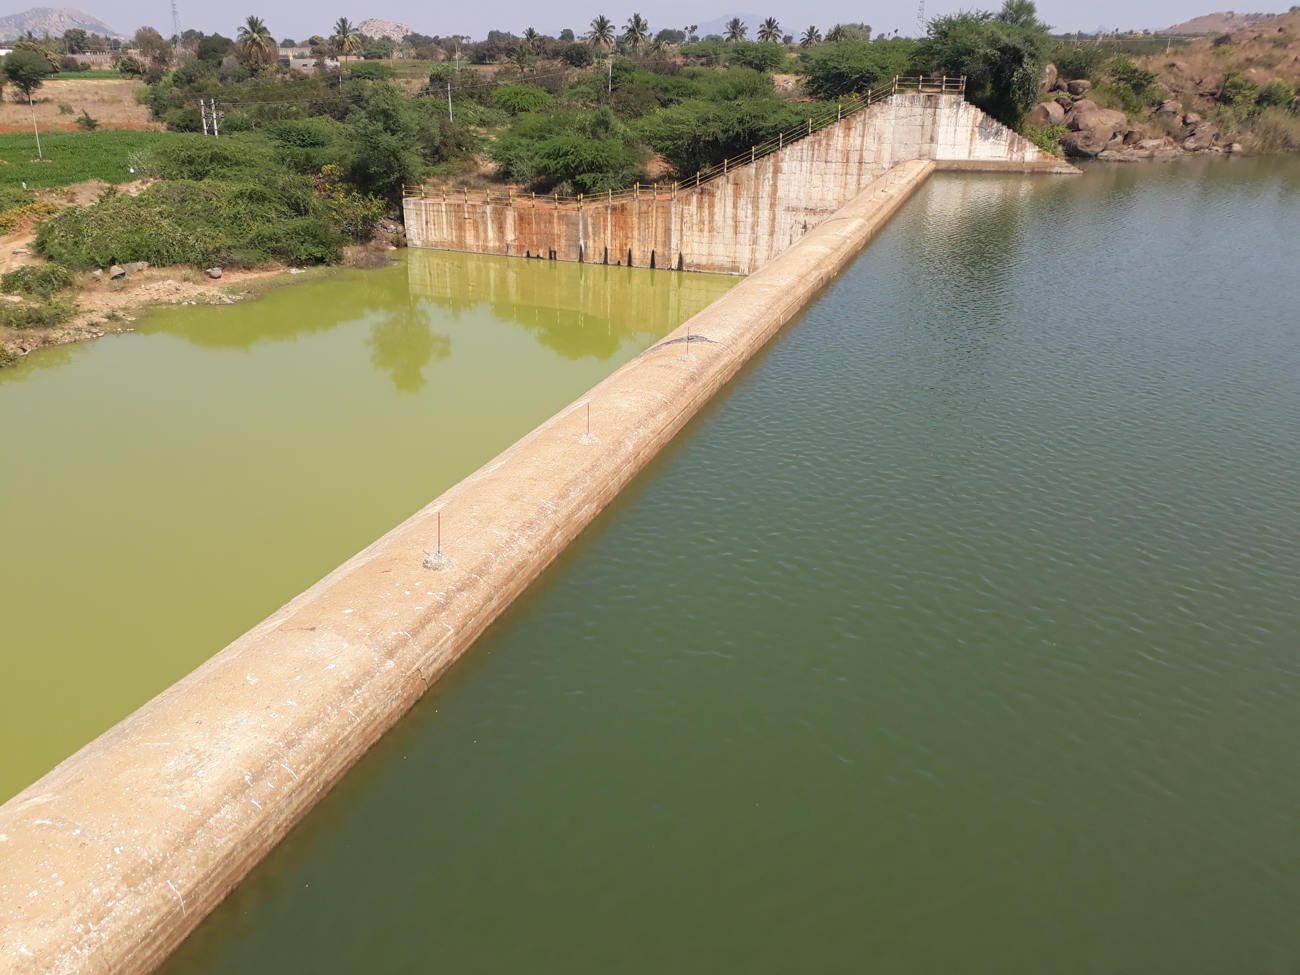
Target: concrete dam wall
<point>741,220</point>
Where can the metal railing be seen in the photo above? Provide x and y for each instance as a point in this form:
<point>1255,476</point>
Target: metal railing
<point>822,119</point>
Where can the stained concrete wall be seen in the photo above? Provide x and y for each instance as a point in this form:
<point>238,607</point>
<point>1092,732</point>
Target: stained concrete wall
<point>110,860</point>
<point>741,221</point>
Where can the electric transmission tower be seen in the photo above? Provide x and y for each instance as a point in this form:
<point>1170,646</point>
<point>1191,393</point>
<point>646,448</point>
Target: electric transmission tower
<point>920,18</point>
<point>176,23</point>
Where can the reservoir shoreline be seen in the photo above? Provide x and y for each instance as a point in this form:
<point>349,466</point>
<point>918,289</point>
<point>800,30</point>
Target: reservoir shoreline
<point>113,857</point>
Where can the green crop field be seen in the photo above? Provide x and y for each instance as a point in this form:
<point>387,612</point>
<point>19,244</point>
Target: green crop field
<point>71,157</point>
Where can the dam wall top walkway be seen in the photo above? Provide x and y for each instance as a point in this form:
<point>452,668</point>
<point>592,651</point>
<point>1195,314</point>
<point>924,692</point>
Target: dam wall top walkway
<point>736,216</point>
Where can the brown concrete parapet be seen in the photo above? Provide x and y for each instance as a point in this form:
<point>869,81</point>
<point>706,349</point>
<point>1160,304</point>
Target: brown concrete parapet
<point>111,859</point>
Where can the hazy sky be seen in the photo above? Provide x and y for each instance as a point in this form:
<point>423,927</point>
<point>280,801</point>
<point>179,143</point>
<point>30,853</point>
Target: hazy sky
<point>297,19</point>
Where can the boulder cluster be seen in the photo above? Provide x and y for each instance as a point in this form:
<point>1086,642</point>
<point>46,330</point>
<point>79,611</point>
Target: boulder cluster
<point>1093,132</point>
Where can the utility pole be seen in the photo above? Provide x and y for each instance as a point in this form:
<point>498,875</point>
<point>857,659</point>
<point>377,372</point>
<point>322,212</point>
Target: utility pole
<point>203,111</point>
<point>450,116</point>
<point>32,105</point>
<point>216,118</point>
<point>609,83</point>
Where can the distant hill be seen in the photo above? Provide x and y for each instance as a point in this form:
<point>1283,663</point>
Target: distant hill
<point>1219,23</point>
<point>52,21</point>
<point>391,29</point>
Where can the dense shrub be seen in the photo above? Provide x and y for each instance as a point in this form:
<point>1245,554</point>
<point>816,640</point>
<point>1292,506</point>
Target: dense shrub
<point>1074,62</point>
<point>578,55</point>
<point>695,134</point>
<point>832,70</point>
<point>35,316</point>
<point>758,57</point>
<point>198,223</point>
<point>573,150</point>
<point>368,71</point>
<point>1124,71</point>
<point>1237,90</point>
<point>44,281</point>
<point>517,99</point>
<point>1276,94</point>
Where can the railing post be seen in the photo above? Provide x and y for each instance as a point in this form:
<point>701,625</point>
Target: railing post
<point>810,126</point>
<point>557,199</point>
<point>780,140</point>
<point>751,155</point>
<point>579,201</point>
<point>697,178</point>
<point>534,199</point>
<point>839,111</point>
<point>724,167</point>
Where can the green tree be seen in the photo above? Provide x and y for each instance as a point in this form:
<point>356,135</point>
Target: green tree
<point>346,39</point>
<point>811,37</point>
<point>636,33</point>
<point>601,33</point>
<point>75,40</point>
<point>255,43</point>
<point>154,48</point>
<point>735,30</point>
<point>769,32</point>
<point>27,71</point>
<point>531,37</point>
<point>1001,55</point>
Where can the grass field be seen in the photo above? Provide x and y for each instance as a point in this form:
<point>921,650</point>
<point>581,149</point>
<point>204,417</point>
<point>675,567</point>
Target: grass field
<point>72,156</point>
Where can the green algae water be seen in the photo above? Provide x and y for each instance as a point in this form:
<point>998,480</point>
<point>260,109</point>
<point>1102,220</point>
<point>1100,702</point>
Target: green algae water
<point>165,490</point>
<point>957,635</point>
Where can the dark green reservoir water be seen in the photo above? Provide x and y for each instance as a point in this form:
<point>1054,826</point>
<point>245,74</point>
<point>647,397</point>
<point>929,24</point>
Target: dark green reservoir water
<point>958,635</point>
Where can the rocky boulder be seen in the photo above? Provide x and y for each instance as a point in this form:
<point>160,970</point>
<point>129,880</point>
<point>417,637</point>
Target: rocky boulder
<point>1049,78</point>
<point>1084,144</point>
<point>1203,137</point>
<point>1088,117</point>
<point>1046,114</point>
<point>1079,87</point>
<point>213,272</point>
<point>117,273</point>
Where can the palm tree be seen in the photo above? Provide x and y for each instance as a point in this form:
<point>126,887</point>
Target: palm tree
<point>601,33</point>
<point>255,40</point>
<point>836,34</point>
<point>636,32</point>
<point>531,37</point>
<point>345,39</point>
<point>811,37</point>
<point>736,30</point>
<point>769,32</point>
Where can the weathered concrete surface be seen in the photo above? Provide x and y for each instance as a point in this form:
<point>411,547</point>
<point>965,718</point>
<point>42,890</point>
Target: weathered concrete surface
<point>739,222</point>
<point>108,862</point>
